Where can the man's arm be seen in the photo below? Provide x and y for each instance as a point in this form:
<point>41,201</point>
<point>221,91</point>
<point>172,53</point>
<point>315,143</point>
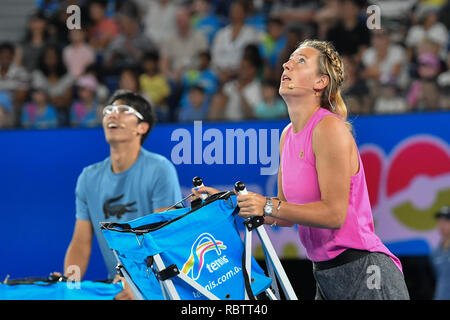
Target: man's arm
<point>79,250</point>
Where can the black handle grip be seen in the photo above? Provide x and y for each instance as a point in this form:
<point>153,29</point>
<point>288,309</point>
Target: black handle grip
<point>197,181</point>
<point>239,186</point>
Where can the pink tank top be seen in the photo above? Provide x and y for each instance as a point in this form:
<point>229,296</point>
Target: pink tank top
<point>300,186</point>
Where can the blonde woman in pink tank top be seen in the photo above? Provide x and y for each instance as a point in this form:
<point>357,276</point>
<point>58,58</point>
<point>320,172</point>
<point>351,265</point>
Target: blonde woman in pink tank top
<point>322,187</point>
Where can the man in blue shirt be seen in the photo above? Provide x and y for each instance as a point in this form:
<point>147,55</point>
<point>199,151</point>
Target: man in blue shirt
<point>441,256</point>
<point>130,183</point>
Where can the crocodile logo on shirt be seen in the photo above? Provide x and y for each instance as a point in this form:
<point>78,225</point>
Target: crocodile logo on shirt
<point>110,209</point>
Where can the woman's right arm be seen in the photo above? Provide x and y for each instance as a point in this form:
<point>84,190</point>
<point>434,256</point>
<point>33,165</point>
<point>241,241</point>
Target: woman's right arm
<point>280,195</point>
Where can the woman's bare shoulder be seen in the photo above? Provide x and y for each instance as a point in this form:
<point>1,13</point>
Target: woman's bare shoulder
<point>332,131</point>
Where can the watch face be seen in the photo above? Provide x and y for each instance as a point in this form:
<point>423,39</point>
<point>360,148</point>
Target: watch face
<point>268,208</point>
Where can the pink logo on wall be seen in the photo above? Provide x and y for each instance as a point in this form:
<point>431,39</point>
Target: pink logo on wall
<point>407,187</point>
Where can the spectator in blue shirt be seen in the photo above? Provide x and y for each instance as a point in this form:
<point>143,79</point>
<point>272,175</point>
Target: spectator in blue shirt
<point>205,20</point>
<point>441,256</point>
<point>196,106</point>
<point>272,44</point>
<point>271,106</point>
<point>203,76</point>
<point>39,113</point>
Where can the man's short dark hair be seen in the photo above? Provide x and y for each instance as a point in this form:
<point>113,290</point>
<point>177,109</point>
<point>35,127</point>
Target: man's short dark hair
<point>206,54</point>
<point>138,102</point>
<point>270,83</point>
<point>7,46</point>
<point>103,3</point>
<point>197,87</point>
<point>129,9</point>
<point>275,20</point>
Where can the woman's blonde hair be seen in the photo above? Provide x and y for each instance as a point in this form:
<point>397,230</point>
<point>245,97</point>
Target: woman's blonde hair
<point>330,64</point>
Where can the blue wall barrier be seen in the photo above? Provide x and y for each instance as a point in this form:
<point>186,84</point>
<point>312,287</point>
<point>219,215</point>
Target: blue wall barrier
<point>40,169</point>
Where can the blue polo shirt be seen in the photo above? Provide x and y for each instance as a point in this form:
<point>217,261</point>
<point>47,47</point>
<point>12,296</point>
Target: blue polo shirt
<point>101,195</point>
<point>441,264</point>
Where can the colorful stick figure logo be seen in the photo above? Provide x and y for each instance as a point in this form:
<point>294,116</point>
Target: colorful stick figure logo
<point>203,244</point>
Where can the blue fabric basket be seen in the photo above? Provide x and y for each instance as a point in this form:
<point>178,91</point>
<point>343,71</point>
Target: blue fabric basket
<point>45,290</point>
<point>204,244</point>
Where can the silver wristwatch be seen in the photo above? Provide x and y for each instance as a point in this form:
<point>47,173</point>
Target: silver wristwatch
<point>268,208</point>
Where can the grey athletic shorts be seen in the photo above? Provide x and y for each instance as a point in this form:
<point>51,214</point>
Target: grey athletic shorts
<point>374,276</point>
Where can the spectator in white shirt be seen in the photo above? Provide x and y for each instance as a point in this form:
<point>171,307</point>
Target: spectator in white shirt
<point>382,60</point>
<point>179,51</point>
<point>239,98</point>
<point>159,19</point>
<point>78,55</point>
<point>230,41</point>
<point>428,28</point>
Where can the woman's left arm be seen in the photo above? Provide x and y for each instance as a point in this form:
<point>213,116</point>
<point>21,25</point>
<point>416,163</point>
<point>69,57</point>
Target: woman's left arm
<point>332,145</point>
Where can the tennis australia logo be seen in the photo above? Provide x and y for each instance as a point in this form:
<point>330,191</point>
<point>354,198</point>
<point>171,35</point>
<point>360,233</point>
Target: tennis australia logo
<point>203,244</point>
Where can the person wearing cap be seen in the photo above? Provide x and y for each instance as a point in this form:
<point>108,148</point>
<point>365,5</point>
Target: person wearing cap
<point>440,257</point>
<point>84,111</point>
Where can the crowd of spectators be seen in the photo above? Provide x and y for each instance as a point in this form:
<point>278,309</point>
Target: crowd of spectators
<point>218,60</point>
